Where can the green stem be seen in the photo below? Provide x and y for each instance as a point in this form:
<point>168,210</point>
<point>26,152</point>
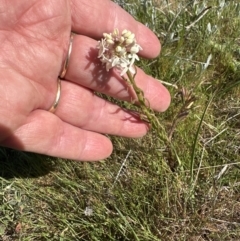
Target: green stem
<point>145,110</point>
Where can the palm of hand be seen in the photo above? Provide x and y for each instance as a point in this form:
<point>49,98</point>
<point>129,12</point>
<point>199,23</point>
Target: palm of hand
<point>34,41</point>
<point>33,47</point>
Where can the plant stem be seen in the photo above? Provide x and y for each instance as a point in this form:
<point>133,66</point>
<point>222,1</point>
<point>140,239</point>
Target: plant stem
<point>146,111</point>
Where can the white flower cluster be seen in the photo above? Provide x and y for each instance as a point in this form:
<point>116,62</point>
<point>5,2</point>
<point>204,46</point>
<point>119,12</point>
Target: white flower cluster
<point>119,50</point>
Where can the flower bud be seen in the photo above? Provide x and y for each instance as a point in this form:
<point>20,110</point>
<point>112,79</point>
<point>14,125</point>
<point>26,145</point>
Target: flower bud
<point>118,49</point>
<point>131,36</point>
<point>129,41</point>
<point>121,39</point>
<point>124,31</point>
<point>115,32</point>
<point>107,36</point>
<point>110,41</point>
<point>127,34</point>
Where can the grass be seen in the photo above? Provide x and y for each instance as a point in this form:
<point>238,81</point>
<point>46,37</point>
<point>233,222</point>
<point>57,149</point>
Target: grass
<point>147,190</point>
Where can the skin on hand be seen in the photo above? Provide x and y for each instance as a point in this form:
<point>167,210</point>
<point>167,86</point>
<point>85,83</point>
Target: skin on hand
<point>34,38</point>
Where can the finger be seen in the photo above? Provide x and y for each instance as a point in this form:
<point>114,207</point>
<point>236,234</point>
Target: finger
<point>79,106</point>
<point>45,133</point>
<point>86,69</point>
<point>108,16</point>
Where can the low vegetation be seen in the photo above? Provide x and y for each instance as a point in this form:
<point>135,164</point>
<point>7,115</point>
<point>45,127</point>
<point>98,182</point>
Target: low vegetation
<point>148,189</point>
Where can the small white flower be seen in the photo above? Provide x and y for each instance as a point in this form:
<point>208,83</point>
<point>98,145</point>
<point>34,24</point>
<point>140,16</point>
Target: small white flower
<point>135,49</point>
<point>133,58</point>
<point>115,61</point>
<point>101,47</point>
<point>88,211</point>
<point>124,66</point>
<point>119,51</point>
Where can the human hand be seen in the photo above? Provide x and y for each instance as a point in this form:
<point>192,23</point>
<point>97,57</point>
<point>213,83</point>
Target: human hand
<point>34,38</point>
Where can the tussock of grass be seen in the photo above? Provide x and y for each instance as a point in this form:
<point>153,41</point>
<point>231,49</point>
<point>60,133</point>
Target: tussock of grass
<point>148,190</point>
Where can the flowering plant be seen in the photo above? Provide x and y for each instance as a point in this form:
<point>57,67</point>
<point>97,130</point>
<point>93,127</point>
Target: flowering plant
<point>119,50</point>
